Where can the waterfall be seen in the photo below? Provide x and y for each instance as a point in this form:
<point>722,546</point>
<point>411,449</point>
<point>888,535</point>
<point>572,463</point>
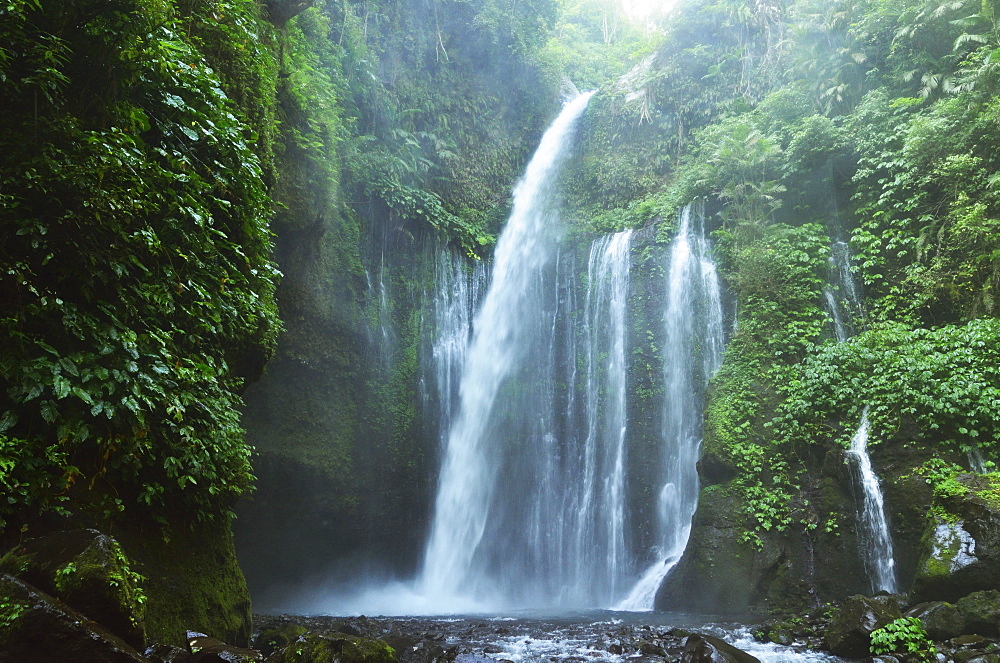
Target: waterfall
<point>456,296</point>
<point>693,346</point>
<point>598,505</point>
<point>876,541</point>
<point>472,555</point>
<point>844,310</point>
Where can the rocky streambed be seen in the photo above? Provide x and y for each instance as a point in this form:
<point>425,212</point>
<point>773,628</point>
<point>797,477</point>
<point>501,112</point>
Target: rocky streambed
<point>594,636</point>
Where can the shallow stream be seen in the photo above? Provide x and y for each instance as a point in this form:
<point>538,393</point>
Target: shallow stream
<point>571,637</point>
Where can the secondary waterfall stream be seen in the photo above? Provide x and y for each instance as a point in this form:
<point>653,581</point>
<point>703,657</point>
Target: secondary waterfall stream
<point>693,346</point>
<point>875,541</point>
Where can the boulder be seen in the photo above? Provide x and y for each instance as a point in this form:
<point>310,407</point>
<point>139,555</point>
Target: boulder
<point>960,554</point>
<point>167,654</point>
<point>35,626</point>
<point>981,611</point>
<point>271,640</point>
<point>211,650</point>
<point>849,632</point>
<point>941,620</point>
<point>88,571</point>
<point>699,648</point>
<point>314,648</point>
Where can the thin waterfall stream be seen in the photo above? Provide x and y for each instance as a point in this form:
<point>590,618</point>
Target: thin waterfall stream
<point>693,346</point>
<point>875,540</point>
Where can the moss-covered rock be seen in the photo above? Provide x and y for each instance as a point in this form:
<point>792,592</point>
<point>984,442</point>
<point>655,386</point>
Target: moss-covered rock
<point>88,571</point>
<point>272,639</point>
<point>941,620</point>
<point>849,632</point>
<point>982,612</point>
<point>192,580</point>
<point>35,626</point>
<point>313,648</point>
<point>960,549</point>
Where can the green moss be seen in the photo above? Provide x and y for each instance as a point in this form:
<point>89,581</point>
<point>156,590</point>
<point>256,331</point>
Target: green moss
<point>193,581</point>
<point>320,649</point>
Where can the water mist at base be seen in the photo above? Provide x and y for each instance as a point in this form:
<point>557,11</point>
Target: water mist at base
<point>692,353</point>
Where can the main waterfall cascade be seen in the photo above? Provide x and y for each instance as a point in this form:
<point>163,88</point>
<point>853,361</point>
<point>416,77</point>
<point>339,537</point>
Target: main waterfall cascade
<point>479,549</point>
<point>693,346</point>
<point>875,541</point>
<point>527,381</point>
<point>532,508</point>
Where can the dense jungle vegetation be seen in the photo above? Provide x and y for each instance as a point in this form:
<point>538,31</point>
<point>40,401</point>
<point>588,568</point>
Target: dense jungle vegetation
<point>184,181</point>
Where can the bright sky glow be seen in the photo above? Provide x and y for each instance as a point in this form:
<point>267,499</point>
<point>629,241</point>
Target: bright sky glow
<point>646,9</point>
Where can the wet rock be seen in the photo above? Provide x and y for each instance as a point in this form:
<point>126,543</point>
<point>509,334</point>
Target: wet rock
<point>982,612</point>
<point>969,640</point>
<point>35,626</point>
<point>211,650</point>
<point>167,654</point>
<point>281,11</point>
<point>960,555</point>
<point>849,632</point>
<point>707,649</point>
<point>346,629</point>
<point>270,640</point>
<point>647,648</point>
<point>941,620</point>
<point>313,648</point>
<point>88,571</point>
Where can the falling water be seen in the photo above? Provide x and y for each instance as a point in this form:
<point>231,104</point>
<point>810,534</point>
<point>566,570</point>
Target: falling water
<point>455,299</point>
<point>692,353</point>
<point>598,546</point>
<point>473,536</point>
<point>876,541</point>
<point>844,309</point>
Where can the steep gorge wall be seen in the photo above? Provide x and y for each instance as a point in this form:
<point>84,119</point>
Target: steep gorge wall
<point>410,146</point>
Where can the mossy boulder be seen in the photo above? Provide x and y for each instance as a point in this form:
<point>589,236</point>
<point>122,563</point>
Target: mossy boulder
<point>88,571</point>
<point>982,612</point>
<point>960,550</point>
<point>271,640</point>
<point>35,626</point>
<point>941,620</point>
<point>193,581</point>
<point>849,633</point>
<point>313,648</point>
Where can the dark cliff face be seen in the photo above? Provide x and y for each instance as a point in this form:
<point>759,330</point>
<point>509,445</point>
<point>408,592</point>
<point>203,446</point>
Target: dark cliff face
<point>407,153</point>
